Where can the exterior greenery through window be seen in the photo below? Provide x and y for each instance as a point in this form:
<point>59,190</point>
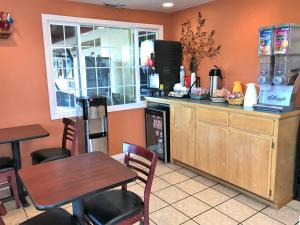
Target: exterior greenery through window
<point>91,59</point>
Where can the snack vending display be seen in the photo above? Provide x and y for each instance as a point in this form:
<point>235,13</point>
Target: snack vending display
<point>279,52</point>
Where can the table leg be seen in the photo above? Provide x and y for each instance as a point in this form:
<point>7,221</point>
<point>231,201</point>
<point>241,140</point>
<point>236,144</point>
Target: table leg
<point>78,210</point>
<point>17,160</point>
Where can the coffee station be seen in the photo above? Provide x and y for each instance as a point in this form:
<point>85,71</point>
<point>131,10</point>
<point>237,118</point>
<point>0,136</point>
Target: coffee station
<point>244,139</point>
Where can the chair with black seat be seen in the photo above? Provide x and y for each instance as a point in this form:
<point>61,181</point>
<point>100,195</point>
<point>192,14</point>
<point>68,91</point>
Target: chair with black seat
<point>123,206</point>
<point>54,216</point>
<point>71,130</point>
<point>7,173</point>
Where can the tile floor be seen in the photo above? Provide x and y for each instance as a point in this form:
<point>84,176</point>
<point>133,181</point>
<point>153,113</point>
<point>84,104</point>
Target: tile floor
<point>180,196</point>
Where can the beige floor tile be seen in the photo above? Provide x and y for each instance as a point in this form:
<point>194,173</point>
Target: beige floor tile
<point>250,202</point>
<point>10,205</point>
<point>294,204</point>
<point>31,211</point>
<point>225,190</point>
<point>285,215</point>
<point>191,206</point>
<point>236,210</point>
<point>213,217</point>
<point>187,172</point>
<point>137,189</point>
<point>174,177</point>
<point>14,217</point>
<point>69,209</point>
<point>156,203</point>
<point>205,181</point>
<point>190,222</point>
<point>168,216</point>
<point>191,186</point>
<point>161,169</point>
<point>171,194</point>
<point>261,219</point>
<point>4,192</point>
<point>173,166</point>
<point>211,197</point>
<point>159,184</point>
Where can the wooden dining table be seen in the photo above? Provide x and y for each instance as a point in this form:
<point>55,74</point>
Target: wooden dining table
<point>70,180</point>
<point>14,135</point>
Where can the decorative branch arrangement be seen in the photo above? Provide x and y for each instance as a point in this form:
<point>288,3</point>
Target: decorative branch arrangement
<point>197,46</point>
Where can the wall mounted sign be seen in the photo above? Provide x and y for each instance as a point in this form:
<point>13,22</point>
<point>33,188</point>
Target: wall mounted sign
<point>5,25</point>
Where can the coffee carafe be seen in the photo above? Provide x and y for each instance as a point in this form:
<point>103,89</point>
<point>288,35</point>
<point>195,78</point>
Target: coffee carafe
<point>215,79</point>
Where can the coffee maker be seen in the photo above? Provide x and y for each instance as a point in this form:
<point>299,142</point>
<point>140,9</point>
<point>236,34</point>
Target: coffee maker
<point>215,78</point>
<point>279,52</point>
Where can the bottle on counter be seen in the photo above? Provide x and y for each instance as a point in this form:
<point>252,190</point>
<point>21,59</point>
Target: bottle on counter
<point>182,75</point>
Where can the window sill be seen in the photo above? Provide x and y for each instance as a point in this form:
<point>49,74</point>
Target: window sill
<point>115,108</point>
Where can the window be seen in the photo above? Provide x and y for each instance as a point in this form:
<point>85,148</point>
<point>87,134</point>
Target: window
<point>95,57</point>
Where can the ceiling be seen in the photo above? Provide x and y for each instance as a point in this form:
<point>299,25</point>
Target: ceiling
<point>150,5</point>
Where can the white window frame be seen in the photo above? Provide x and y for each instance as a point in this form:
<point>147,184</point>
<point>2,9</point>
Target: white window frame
<point>48,19</point>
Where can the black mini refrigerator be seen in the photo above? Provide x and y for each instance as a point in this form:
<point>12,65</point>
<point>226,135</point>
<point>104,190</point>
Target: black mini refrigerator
<point>157,124</point>
<point>93,120</point>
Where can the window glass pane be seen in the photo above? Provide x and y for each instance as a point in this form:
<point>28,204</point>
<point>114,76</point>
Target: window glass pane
<point>57,34</point>
<point>91,81</point>
<point>88,56</point>
<point>119,37</point>
<point>103,76</point>
<point>117,95</point>
<point>87,36</point>
<point>101,37</point>
<point>103,61</point>
<point>65,99</point>
<point>92,91</point>
<point>116,76</point>
<point>130,96</point>
<point>129,76</point>
<point>71,36</point>
<point>59,58</point>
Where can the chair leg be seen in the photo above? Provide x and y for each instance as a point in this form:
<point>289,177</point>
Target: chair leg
<point>15,189</point>
<point>10,188</point>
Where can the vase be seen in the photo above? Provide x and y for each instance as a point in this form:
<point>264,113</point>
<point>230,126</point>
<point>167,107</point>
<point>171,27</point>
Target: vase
<point>193,65</point>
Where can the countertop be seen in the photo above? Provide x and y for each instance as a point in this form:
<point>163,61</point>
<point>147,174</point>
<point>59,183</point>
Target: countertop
<point>223,106</point>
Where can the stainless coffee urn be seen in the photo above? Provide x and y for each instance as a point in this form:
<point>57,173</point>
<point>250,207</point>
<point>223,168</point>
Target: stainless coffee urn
<point>215,80</point>
<point>93,118</point>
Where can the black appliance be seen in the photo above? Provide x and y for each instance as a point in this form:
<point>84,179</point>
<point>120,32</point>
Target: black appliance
<point>157,125</point>
<point>94,121</point>
<point>168,59</point>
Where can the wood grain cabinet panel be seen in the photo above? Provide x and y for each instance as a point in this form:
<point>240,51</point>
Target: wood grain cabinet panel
<point>212,150</point>
<point>183,123</point>
<point>212,116</point>
<point>249,162</point>
<point>252,124</point>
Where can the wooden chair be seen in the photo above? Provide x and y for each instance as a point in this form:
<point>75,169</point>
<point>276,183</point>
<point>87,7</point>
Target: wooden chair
<point>7,173</point>
<point>57,216</point>
<point>124,207</point>
<point>70,134</point>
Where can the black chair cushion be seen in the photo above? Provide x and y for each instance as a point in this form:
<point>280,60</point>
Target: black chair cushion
<point>6,163</point>
<point>112,207</point>
<point>49,154</point>
<point>56,216</point>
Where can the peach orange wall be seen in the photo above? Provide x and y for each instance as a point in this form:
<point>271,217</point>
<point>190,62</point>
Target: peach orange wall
<point>23,83</point>
<point>236,23</point>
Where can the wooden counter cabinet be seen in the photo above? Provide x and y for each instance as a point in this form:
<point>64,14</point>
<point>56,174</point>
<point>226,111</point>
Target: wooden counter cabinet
<point>251,151</point>
<point>182,126</point>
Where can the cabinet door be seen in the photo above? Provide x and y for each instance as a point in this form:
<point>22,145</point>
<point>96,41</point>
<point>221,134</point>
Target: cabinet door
<point>183,124</point>
<point>212,150</point>
<point>250,161</point>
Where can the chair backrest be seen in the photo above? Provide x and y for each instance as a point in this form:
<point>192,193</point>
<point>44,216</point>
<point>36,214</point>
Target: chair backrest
<point>71,131</point>
<point>144,164</point>
<point>2,213</point>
